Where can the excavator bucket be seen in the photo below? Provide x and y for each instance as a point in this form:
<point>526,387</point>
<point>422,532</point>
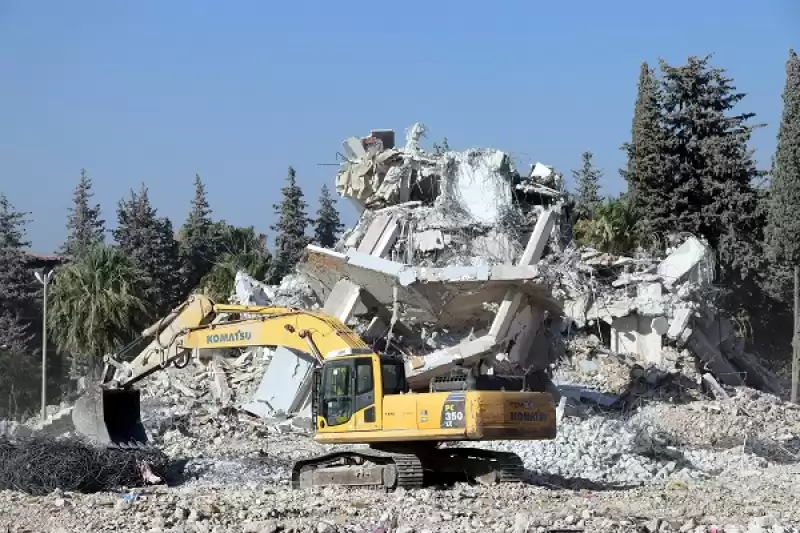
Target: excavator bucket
<point>109,416</point>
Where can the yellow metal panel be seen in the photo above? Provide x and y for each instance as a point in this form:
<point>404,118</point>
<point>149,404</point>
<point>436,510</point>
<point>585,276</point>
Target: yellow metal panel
<point>367,437</point>
<point>284,329</point>
<point>400,412</point>
<point>513,415</point>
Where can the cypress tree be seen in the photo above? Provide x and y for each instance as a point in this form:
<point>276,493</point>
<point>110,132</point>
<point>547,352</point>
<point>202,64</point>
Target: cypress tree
<point>84,226</point>
<point>290,230</point>
<point>150,241</point>
<point>782,232</point>
<point>645,176</point>
<point>327,225</point>
<point>587,179</point>
<point>196,240</point>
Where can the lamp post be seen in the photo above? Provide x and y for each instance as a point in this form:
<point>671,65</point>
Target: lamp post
<point>44,280</point>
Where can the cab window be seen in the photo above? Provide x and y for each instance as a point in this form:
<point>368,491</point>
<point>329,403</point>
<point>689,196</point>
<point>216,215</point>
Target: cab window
<point>337,397</point>
<point>364,377</point>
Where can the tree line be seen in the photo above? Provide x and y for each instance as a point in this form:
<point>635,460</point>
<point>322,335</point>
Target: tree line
<point>108,290</point>
<point>690,170</point>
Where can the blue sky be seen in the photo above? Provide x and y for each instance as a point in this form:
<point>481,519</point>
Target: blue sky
<point>152,91</point>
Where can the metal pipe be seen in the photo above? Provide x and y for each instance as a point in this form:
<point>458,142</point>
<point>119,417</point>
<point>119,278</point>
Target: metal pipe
<point>305,334</point>
<point>44,280</point>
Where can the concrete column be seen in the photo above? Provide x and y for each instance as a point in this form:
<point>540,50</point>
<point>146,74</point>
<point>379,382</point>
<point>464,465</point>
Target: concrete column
<point>532,254</point>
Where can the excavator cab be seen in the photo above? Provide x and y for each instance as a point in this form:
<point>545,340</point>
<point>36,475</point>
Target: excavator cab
<point>344,386</point>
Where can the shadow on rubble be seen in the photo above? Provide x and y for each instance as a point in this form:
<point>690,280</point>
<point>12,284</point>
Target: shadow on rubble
<point>556,482</point>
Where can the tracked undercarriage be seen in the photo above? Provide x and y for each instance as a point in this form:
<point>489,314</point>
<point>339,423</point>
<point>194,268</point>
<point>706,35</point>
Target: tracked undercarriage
<point>407,467</point>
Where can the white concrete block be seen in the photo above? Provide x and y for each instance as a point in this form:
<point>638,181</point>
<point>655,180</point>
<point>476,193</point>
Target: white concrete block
<point>374,234</point>
<point>649,299</point>
<point>634,334</point>
<point>692,260</point>
<point>387,239</point>
<point>428,241</point>
<point>660,325</point>
<point>342,300</point>
<point>679,323</point>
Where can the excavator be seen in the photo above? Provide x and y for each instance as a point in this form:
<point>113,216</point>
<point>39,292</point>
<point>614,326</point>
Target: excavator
<point>397,437</point>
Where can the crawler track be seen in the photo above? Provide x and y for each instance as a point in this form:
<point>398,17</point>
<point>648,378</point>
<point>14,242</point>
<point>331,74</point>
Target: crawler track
<point>407,468</point>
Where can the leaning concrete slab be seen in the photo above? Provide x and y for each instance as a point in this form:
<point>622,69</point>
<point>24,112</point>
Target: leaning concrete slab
<point>714,360</point>
<point>282,387</point>
<point>420,370</point>
<point>342,300</point>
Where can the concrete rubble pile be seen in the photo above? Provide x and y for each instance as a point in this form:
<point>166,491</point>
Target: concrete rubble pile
<point>654,320</point>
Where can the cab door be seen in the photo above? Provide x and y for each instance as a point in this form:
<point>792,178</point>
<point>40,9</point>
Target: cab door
<point>367,389</point>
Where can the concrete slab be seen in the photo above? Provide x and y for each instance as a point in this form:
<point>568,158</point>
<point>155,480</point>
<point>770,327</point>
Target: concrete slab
<point>420,370</point>
<point>374,233</point>
<point>679,323</point>
<point>342,300</point>
<point>635,334</point>
<point>714,360</point>
<point>693,260</point>
<point>283,385</point>
<point>447,296</point>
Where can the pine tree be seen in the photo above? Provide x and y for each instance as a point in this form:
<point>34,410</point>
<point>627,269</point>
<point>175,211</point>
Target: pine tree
<point>587,179</point>
<point>710,166</point>
<point>327,225</point>
<point>647,183</point>
<point>782,232</point>
<point>84,225</point>
<point>197,240</point>
<point>17,287</point>
<point>18,292</point>
<point>150,241</point>
<point>12,225</point>
<point>290,230</point>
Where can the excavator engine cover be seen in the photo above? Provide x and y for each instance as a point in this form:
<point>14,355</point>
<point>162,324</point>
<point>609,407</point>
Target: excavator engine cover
<point>109,416</point>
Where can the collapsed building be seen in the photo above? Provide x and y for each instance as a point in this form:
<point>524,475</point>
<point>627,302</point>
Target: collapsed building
<point>458,261</point>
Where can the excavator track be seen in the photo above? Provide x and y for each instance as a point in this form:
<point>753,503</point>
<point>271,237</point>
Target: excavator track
<point>489,466</point>
<point>359,467</point>
<point>389,470</point>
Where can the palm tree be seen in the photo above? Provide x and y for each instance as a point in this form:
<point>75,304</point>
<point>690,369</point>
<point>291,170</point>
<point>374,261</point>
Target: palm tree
<point>611,229</point>
<point>97,304</point>
<point>239,249</point>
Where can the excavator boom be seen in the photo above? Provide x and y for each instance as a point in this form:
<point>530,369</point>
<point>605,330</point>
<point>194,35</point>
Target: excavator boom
<point>109,411</point>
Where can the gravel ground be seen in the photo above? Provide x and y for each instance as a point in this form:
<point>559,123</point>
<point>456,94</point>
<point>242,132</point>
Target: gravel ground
<point>698,466</point>
<point>765,503</point>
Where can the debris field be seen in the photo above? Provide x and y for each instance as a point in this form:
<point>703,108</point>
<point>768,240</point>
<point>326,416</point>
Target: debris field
<point>666,422</point>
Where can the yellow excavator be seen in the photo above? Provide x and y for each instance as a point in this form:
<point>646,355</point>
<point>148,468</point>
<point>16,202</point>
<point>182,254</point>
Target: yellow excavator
<point>359,397</point>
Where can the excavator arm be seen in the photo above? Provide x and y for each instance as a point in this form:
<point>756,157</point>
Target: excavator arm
<point>109,412</point>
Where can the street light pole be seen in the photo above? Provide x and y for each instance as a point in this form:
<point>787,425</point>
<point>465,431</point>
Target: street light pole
<point>44,280</point>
